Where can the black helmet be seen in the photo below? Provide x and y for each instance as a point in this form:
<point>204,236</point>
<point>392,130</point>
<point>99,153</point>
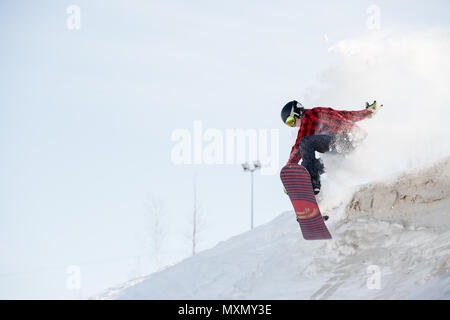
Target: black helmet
<point>292,109</point>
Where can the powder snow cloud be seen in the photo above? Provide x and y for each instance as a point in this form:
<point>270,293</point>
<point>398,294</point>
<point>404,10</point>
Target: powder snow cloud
<point>408,72</point>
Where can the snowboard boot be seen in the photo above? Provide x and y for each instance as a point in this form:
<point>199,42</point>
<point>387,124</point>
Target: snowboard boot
<point>315,181</point>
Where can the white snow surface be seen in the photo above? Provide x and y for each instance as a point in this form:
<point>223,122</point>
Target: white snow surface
<point>391,240</point>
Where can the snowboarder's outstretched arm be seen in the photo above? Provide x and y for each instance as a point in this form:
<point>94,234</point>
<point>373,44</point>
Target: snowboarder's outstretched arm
<point>355,115</point>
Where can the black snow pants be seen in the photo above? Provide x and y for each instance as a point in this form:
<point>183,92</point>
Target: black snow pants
<point>333,143</point>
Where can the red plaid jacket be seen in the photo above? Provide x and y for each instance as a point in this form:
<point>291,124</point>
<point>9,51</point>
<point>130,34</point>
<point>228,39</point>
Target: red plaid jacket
<point>326,121</point>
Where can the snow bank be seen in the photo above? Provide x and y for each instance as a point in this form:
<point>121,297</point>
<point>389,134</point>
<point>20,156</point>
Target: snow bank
<point>391,241</point>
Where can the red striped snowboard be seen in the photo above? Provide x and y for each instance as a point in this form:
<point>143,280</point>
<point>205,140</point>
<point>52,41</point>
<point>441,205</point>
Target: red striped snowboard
<point>297,182</point>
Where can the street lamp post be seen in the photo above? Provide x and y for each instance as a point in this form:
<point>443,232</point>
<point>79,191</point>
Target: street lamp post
<point>246,167</point>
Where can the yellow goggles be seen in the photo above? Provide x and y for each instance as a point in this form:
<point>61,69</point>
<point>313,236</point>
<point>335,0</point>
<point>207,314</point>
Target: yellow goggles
<point>290,121</point>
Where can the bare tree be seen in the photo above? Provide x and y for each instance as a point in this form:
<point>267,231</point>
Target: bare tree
<point>197,219</point>
<point>194,220</point>
<point>151,242</point>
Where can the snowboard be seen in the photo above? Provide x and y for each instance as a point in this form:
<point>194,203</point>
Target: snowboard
<point>297,182</point>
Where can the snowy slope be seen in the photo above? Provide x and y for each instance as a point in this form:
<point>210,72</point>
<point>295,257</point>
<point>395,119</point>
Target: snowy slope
<point>398,227</point>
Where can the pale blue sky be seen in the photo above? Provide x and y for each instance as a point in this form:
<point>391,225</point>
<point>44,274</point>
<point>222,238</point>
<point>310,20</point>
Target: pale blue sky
<point>86,118</point>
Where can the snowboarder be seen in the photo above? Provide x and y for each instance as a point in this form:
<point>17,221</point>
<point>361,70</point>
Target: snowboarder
<point>323,130</point>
